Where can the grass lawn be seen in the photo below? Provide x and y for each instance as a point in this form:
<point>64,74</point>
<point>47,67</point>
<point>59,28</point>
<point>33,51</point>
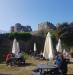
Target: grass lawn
<point>70,69</point>
<point>27,69</point>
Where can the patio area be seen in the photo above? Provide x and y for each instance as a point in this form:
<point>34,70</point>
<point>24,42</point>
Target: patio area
<point>30,65</point>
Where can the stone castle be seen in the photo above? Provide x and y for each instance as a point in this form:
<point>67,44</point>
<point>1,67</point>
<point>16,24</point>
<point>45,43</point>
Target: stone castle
<point>20,28</point>
<point>46,25</point>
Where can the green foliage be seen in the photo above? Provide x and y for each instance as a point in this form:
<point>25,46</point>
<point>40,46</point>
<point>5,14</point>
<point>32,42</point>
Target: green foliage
<point>44,32</point>
<point>6,40</point>
<point>25,55</point>
<point>54,39</point>
<point>1,58</point>
<point>62,28</point>
<point>22,36</point>
<point>65,32</point>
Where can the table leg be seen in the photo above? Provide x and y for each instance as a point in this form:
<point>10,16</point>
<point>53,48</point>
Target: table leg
<point>40,70</point>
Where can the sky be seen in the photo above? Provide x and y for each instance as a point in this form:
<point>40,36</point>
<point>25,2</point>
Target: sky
<point>33,12</point>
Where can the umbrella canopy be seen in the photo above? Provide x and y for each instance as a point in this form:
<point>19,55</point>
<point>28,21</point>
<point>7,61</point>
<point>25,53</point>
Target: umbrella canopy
<point>18,49</point>
<point>35,47</point>
<point>59,46</point>
<point>48,48</point>
<point>15,47</point>
<point>64,51</point>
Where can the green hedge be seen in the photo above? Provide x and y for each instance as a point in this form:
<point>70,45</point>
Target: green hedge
<point>22,35</point>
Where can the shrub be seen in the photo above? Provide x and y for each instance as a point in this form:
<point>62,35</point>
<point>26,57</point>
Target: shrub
<point>25,55</point>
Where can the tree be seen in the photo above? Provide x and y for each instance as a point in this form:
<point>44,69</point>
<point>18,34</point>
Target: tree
<point>65,33</point>
<point>44,32</point>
